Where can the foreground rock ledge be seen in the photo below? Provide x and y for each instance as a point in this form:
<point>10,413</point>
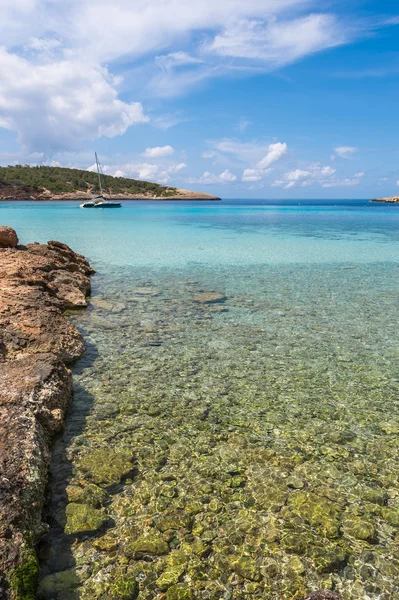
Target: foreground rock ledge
<point>38,283</point>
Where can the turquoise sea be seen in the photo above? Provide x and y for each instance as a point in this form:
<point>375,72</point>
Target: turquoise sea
<point>247,448</point>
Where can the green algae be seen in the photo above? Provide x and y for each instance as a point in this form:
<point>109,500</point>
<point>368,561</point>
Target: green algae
<point>82,517</point>
<point>105,467</point>
<point>58,582</point>
<point>179,592</point>
<point>24,578</point>
<point>151,544</point>
<point>125,588</point>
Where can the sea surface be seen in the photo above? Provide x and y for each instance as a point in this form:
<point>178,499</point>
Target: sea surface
<point>242,448</point>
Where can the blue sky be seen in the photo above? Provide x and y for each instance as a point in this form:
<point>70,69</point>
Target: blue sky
<point>240,98</point>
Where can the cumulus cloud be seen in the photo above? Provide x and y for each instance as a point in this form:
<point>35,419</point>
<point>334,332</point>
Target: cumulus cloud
<point>55,88</point>
<point>145,171</point>
<point>260,155</point>
<point>316,174</point>
<point>251,175</point>
<point>345,151</point>
<point>54,106</point>
<point>275,153</point>
<point>210,178</point>
<point>158,151</point>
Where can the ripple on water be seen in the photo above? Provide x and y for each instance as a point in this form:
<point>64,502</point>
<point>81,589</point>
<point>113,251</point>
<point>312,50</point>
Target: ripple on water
<point>246,448</point>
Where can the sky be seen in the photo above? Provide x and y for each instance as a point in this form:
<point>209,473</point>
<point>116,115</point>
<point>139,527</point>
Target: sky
<point>238,98</point>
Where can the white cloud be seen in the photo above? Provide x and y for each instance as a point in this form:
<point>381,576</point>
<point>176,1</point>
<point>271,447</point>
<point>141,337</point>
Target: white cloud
<point>275,153</point>
<point>346,182</point>
<point>176,59</point>
<point>146,171</point>
<point>210,178</point>
<point>167,121</point>
<point>297,175</point>
<point>345,151</point>
<point>158,151</point>
<point>259,154</point>
<point>55,89</point>
<point>315,173</point>
<point>55,106</point>
<point>42,45</point>
<point>254,174</point>
<point>277,43</point>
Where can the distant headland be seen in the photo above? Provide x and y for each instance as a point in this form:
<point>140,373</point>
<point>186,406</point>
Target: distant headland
<point>390,200</point>
<point>22,182</point>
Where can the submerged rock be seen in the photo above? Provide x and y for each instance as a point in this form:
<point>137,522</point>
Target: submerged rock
<point>151,544</point>
<point>82,517</point>
<point>209,297</point>
<point>104,466</point>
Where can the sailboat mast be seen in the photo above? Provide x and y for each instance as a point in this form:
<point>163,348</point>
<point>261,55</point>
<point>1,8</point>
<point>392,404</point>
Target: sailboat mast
<point>98,173</point>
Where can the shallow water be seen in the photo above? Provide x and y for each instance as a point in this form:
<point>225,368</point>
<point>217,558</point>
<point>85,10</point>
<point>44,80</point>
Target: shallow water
<point>243,449</point>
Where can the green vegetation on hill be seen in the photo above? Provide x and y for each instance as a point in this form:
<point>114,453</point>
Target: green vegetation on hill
<point>59,180</point>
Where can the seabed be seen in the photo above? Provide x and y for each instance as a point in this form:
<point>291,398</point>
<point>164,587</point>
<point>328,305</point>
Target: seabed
<point>241,448</point>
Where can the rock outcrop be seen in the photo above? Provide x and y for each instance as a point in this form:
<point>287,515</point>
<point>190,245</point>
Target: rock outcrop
<point>37,284</point>
<point>390,200</point>
<point>8,237</point>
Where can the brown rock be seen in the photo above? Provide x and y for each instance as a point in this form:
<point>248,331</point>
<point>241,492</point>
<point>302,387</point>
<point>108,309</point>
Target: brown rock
<point>209,297</point>
<point>8,237</point>
<point>37,284</point>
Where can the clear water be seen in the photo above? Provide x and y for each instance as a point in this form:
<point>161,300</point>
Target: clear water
<point>243,449</point>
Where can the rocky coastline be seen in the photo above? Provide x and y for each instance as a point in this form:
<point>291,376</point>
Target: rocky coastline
<point>13,195</point>
<point>39,282</point>
<point>389,200</point>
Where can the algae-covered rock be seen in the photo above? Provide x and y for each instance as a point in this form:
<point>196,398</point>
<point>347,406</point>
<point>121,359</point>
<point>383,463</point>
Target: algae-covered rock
<point>294,542</point>
<point>106,543</point>
<point>247,568</point>
<point>391,515</point>
<point>360,528</point>
<point>170,577</point>
<point>328,557</point>
<point>269,496</point>
<point>58,582</point>
<point>317,511</point>
<point>180,591</point>
<point>374,495</point>
<point>151,544</point>
<point>91,494</point>
<point>174,519</point>
<point>24,578</point>
<point>106,467</point>
<point>125,588</point>
<point>82,517</point>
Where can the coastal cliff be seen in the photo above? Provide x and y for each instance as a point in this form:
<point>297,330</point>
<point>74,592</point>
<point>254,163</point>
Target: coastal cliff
<point>37,342</point>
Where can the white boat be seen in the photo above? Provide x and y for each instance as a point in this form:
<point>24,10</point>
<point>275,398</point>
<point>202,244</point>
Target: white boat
<point>100,201</point>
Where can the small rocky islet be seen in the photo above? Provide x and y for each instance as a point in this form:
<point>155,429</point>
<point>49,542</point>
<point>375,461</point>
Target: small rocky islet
<point>228,443</point>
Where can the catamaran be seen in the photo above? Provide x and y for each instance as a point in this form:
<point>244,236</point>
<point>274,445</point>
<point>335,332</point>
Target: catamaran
<point>100,201</point>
